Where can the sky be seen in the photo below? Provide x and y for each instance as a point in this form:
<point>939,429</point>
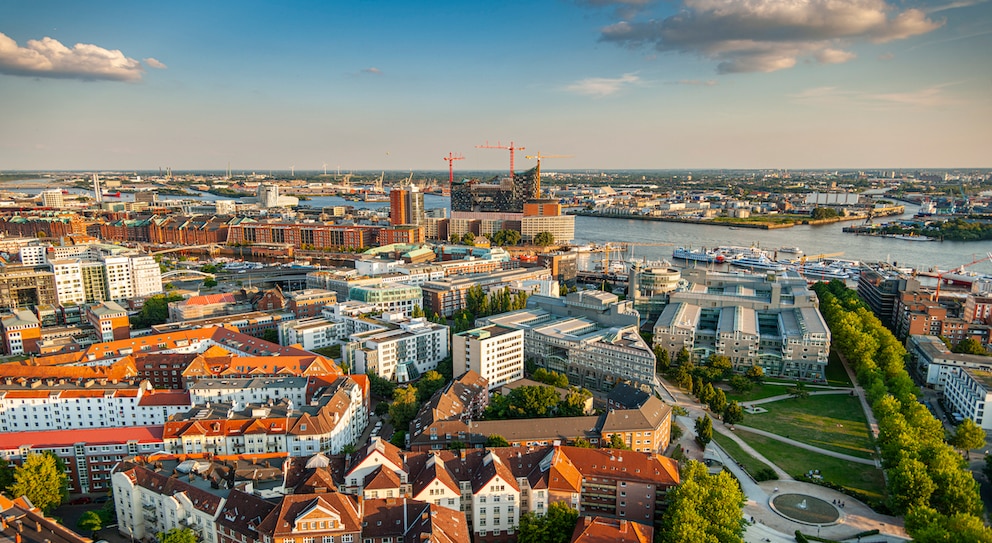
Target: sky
<point>605,84</point>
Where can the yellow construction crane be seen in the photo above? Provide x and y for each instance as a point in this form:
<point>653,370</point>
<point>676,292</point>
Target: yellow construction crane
<point>537,172</point>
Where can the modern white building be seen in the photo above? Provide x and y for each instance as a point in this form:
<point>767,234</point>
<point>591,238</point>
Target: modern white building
<point>494,352</point>
<point>34,255</point>
<point>389,297</point>
<point>245,391</point>
<point>968,392</point>
<point>402,350</point>
<point>117,271</point>
<point>69,287</point>
<point>52,198</point>
<point>146,275</point>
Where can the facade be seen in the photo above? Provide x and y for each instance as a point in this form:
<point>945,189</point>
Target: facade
<point>69,281</point>
<point>880,287</point>
<point>449,295</point>
<point>23,286</point>
<point>562,227</point>
<point>90,454</point>
<point>968,393</point>
<point>389,297</point>
<point>110,321</point>
<point>494,352</point>
<point>933,362</point>
<point>21,332</point>
<point>753,320</point>
<point>241,391</point>
<point>402,351</point>
<point>301,235</point>
<point>309,303</point>
<point>590,336</point>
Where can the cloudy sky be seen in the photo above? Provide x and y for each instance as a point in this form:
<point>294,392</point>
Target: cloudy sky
<point>399,85</point>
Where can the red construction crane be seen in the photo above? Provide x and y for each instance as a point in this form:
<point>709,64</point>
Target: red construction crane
<point>451,158</point>
<point>959,269</point>
<point>498,145</point>
<point>537,172</point>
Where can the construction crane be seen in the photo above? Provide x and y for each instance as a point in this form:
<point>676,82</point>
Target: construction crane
<point>959,269</point>
<point>451,158</point>
<point>537,172</point>
<point>498,145</point>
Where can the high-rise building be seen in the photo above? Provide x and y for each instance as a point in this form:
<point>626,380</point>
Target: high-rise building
<point>406,206</point>
<point>494,352</point>
<point>52,198</point>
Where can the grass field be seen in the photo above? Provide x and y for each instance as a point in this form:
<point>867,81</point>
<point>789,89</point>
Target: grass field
<point>836,376</point>
<point>795,461</point>
<point>832,422</point>
<point>751,464</point>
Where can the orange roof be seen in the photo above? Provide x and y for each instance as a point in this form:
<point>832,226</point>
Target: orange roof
<point>207,299</point>
<point>164,397</point>
<point>610,530</point>
<point>92,436</point>
<point>27,394</point>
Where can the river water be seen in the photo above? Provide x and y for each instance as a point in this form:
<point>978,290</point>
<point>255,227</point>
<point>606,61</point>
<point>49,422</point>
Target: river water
<point>820,239</point>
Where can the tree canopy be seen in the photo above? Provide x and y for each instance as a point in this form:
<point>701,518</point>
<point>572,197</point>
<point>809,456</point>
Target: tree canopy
<point>544,239</point>
<point>177,535</point>
<point>554,527</point>
<point>404,406</point>
<point>42,479</point>
<point>704,430</point>
<point>431,382</point>
<point>154,311</point>
<point>703,507</point>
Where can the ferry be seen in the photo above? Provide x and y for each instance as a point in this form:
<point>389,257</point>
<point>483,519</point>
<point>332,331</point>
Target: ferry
<point>761,263</point>
<point>696,255</point>
<point>911,237</point>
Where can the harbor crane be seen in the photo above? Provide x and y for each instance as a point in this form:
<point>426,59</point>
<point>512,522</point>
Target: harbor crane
<point>537,172</point>
<point>451,158</point>
<point>959,269</point>
<point>498,145</point>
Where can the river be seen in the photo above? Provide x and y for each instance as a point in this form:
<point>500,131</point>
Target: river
<point>820,239</point>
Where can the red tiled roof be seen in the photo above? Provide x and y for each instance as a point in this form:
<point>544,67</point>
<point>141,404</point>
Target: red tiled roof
<point>164,397</point>
<point>91,436</point>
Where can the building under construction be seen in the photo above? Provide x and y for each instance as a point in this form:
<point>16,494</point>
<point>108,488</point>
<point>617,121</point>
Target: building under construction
<point>497,195</point>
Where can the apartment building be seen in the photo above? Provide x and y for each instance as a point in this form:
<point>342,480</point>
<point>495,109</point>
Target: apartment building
<point>401,349</point>
<point>249,390</point>
<point>24,286</point>
<point>933,362</point>
<point>968,393</point>
<point>389,297</point>
<point>21,332</point>
<point>110,321</point>
<point>449,296</point>
<point>494,352</point>
<point>89,454</point>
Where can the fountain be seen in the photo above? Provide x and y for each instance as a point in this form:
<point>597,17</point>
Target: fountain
<point>805,509</point>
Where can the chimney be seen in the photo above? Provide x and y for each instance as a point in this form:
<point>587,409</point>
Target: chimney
<point>623,526</point>
<point>37,527</point>
<point>586,521</point>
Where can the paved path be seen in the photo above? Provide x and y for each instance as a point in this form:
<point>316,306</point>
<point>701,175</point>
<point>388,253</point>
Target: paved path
<point>872,423</point>
<point>764,524</point>
<point>781,397</point>
<point>808,447</point>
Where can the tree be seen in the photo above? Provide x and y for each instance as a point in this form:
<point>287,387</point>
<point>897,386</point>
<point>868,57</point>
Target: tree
<point>703,507</point>
<point>552,378</point>
<point>733,413</point>
<point>909,485</point>
<point>967,436</point>
<point>969,346</point>
<point>720,363</point>
<point>90,521</point>
<point>582,443</point>
<point>417,312</point>
<point>272,336</point>
<point>741,384</point>
<point>154,311</point>
<point>6,475</point>
<point>177,535</point>
<point>756,374</point>
<point>662,360</point>
<point>820,213</point>
<point>431,382</point>
<point>496,440</point>
<point>544,239</point>
<point>704,430</point>
<point>574,403</point>
<point>718,401</point>
<point>42,479</point>
<point>404,406</point>
<point>399,438</point>
<point>799,392</point>
<point>684,357</point>
<point>381,388</point>
<point>554,527</point>
<point>209,282</point>
<point>468,238</point>
<point>617,442</point>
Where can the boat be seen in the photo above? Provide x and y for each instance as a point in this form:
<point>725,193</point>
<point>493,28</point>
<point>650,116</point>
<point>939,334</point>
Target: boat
<point>912,237</point>
<point>820,270</point>
<point>762,263</point>
<point>695,255</point>
<point>112,194</point>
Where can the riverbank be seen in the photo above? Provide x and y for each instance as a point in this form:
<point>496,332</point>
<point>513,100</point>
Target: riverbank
<point>754,223</point>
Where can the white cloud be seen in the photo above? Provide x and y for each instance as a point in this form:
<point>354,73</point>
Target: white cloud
<point>155,63</point>
<point>603,86</point>
<point>927,97</point>
<point>373,70</point>
<point>48,57</point>
<point>697,82</point>
<point>770,35</point>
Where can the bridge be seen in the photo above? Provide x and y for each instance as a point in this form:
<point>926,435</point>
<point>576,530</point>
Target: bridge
<point>186,248</point>
<point>186,273</point>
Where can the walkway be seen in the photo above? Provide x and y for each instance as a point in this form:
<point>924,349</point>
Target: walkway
<point>808,447</point>
<point>872,423</point>
<point>781,397</point>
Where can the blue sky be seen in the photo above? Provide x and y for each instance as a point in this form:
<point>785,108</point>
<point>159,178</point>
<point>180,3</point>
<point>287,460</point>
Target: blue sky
<point>398,85</point>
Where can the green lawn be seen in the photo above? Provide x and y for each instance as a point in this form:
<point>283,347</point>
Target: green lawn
<point>759,392</point>
<point>795,461</point>
<point>832,422</point>
<point>836,376</point>
<point>751,464</point>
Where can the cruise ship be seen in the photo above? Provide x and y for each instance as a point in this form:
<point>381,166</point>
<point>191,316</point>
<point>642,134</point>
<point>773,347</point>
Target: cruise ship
<point>758,263</point>
<point>696,255</point>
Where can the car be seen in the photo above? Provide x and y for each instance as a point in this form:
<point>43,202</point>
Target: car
<point>82,500</point>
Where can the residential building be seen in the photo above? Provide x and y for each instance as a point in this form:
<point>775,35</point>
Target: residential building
<point>24,286</point>
<point>494,352</point>
<point>22,522</point>
<point>52,198</point>
<point>880,286</point>
<point>449,295</point>
<point>754,320</point>
<point>933,362</point>
<point>89,454</point>
<point>590,336</point>
<point>595,529</point>
<point>241,391</point>
<point>21,332</point>
<point>110,321</point>
<point>309,303</point>
<point>402,349</point>
<point>69,286</point>
<point>968,394</point>
<point>389,297</point>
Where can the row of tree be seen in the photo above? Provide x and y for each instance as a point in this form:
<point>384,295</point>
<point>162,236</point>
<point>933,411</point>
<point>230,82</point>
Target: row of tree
<point>505,238</point>
<point>529,402</point>
<point>927,479</point>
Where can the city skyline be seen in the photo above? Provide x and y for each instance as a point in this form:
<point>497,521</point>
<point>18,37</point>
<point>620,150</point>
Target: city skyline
<point>620,85</point>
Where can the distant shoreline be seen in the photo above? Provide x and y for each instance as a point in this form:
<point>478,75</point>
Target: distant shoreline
<point>732,224</point>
